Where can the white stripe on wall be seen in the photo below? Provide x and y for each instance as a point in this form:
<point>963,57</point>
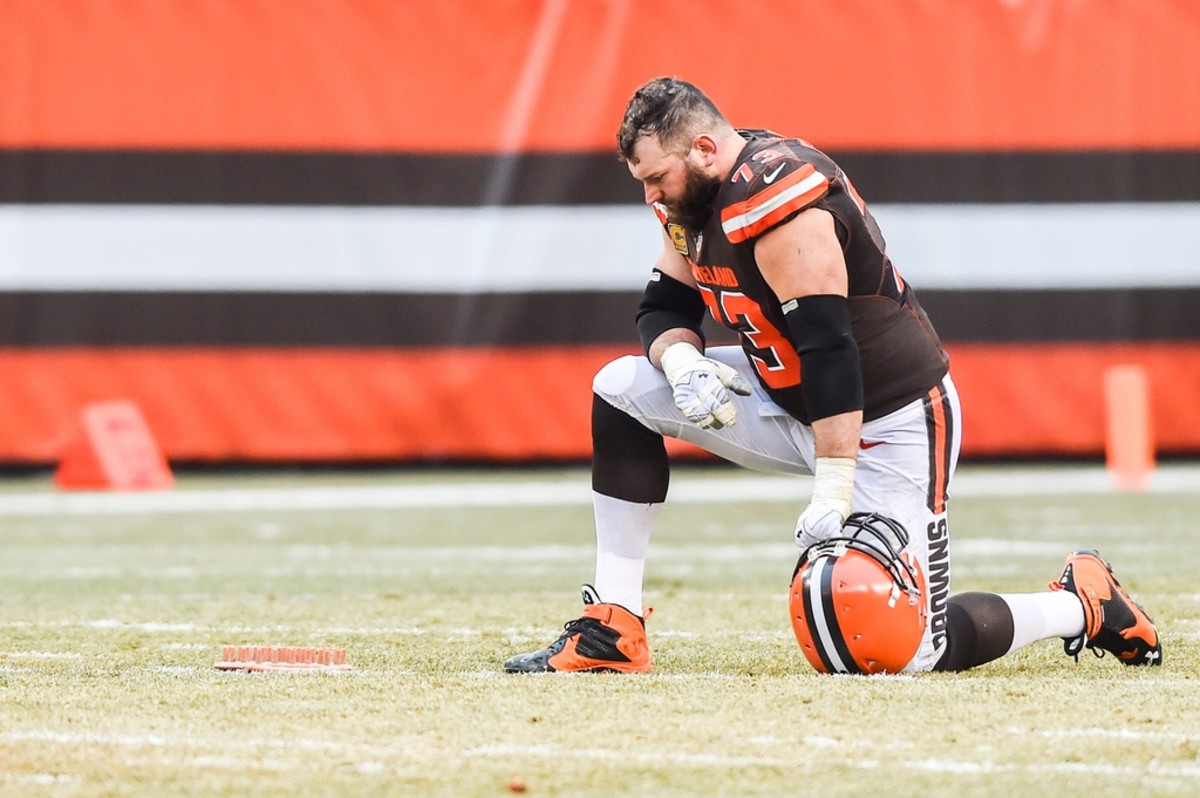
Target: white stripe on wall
<point>468,250</point>
<point>1044,246</point>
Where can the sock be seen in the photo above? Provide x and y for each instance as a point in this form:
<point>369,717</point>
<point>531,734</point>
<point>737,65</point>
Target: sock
<point>1040,616</point>
<point>622,539</point>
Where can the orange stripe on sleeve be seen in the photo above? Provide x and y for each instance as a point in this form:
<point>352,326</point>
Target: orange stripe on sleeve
<point>744,220</point>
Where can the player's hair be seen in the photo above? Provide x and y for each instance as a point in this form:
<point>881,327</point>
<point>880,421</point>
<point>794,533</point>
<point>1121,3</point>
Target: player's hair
<point>673,110</point>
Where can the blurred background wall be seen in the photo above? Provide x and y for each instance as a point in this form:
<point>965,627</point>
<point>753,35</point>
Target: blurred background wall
<point>369,230</point>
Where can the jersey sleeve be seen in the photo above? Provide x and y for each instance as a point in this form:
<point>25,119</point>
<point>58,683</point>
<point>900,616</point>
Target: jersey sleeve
<point>780,189</point>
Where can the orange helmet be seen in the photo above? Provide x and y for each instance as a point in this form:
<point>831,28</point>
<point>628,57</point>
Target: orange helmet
<point>858,600</point>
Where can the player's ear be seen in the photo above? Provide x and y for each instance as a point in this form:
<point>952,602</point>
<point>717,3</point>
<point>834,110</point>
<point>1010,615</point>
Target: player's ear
<point>705,146</point>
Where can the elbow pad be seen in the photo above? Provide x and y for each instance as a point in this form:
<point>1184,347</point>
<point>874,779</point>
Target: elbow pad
<point>830,372</point>
<point>668,304</point>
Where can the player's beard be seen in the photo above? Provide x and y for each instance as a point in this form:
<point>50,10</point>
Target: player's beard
<point>694,208</point>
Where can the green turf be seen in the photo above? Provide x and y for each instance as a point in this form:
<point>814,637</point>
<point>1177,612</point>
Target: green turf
<point>110,625</point>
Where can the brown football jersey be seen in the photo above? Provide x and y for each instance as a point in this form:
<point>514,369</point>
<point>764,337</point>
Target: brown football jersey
<point>774,179</point>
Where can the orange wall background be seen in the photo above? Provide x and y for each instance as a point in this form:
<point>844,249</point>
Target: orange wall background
<point>553,75</point>
<point>510,405</point>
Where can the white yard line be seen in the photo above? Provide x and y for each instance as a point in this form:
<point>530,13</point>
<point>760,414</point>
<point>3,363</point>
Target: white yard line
<point>967,766</point>
<point>507,751</point>
<point>685,488</point>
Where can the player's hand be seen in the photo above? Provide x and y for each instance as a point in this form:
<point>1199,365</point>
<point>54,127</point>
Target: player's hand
<point>819,522</point>
<point>827,511</point>
<point>701,386</point>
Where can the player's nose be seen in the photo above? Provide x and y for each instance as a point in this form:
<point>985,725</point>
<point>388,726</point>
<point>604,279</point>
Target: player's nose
<point>653,194</point>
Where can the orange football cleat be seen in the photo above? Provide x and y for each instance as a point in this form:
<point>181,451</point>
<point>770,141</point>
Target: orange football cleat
<point>607,638</point>
<point>1113,621</point>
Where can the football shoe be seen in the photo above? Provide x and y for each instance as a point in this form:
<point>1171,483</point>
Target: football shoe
<point>1113,621</point>
<point>607,637</point>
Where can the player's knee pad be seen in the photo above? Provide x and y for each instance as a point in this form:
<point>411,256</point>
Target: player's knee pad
<point>979,629</point>
<point>629,460</point>
<point>616,377</point>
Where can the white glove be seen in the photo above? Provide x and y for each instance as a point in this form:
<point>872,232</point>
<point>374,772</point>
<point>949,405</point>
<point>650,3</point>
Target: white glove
<point>833,488</point>
<point>700,386</point>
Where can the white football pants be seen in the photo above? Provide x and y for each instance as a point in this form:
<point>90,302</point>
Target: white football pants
<point>906,460</point>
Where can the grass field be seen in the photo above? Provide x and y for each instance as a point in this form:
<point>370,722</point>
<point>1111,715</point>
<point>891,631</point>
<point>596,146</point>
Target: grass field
<point>113,610</point>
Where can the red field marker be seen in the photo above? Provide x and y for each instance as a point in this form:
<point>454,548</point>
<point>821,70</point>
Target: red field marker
<point>112,449</point>
<point>1129,439</point>
<point>286,659</point>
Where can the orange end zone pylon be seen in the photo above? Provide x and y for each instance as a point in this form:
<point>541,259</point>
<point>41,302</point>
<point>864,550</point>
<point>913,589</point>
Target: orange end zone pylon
<point>284,659</point>
<point>1129,438</point>
<point>112,449</point>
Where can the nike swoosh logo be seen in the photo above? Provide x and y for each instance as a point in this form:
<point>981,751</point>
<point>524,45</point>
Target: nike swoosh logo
<point>771,177</point>
<point>870,444</point>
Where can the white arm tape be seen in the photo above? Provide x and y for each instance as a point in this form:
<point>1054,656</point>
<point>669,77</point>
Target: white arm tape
<point>677,359</point>
<point>833,483</point>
